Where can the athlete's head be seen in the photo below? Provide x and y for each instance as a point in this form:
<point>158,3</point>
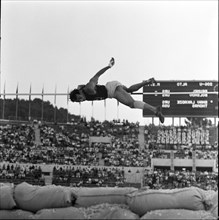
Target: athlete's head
<point>77,95</point>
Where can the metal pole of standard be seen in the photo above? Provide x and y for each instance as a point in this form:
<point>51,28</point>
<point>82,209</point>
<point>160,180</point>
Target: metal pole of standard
<point>42,109</point>
<point>55,114</point>
<point>67,105</point>
<point>29,110</point>
<point>92,108</point>
<point>3,108</point>
<point>117,111</point>
<point>67,111</point>
<point>55,106</point>
<point>105,114</point>
<point>80,109</point>
<point>105,110</point>
<point>16,112</point>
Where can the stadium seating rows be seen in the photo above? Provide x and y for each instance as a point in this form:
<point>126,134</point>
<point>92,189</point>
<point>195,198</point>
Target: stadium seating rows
<point>70,145</point>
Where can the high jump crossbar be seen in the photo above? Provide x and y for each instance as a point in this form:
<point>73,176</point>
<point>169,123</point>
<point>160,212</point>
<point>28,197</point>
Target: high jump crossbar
<point>137,93</point>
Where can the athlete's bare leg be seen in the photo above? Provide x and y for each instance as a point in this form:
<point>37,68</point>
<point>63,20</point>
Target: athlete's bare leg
<point>125,98</point>
<point>137,86</point>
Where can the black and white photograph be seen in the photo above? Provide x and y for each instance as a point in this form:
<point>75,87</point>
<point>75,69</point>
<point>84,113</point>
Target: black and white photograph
<point>109,109</point>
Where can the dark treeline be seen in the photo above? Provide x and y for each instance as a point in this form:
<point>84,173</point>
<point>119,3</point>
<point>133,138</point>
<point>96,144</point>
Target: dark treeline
<point>25,110</point>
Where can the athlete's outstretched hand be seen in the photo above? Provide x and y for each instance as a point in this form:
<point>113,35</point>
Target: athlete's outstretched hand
<point>112,62</point>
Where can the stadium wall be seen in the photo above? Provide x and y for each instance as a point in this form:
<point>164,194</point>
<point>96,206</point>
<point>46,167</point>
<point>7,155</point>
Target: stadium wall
<point>156,162</point>
<point>132,174</point>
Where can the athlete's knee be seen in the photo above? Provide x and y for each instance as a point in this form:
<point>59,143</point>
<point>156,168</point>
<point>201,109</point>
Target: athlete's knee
<point>138,104</point>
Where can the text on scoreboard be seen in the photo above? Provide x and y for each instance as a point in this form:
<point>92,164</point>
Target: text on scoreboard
<point>183,98</point>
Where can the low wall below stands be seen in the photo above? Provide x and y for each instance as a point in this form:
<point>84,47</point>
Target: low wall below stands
<point>184,163</point>
<point>132,174</point>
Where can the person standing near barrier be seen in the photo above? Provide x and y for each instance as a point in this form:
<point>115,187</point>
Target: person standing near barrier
<point>93,91</point>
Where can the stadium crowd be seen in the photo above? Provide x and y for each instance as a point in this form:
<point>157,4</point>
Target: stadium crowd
<point>17,174</point>
<point>88,176</point>
<point>166,179</point>
<point>63,145</point>
<point>70,145</point>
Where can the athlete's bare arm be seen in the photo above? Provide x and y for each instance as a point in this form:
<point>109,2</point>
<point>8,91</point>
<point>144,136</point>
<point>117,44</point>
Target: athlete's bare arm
<point>90,86</point>
<point>80,86</point>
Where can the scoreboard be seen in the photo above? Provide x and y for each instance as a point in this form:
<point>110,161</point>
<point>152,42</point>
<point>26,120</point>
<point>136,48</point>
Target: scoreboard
<point>183,98</point>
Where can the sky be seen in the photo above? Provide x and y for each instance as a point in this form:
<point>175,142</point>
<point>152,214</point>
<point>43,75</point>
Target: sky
<point>60,44</point>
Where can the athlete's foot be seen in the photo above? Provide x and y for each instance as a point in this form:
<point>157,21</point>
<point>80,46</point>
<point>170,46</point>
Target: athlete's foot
<point>159,114</point>
<point>112,62</point>
<point>152,80</point>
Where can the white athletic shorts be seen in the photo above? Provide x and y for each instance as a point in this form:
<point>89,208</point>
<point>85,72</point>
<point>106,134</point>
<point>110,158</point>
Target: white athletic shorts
<point>111,87</point>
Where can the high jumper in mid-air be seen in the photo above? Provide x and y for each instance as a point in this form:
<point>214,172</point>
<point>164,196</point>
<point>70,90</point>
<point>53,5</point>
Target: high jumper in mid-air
<point>93,91</point>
